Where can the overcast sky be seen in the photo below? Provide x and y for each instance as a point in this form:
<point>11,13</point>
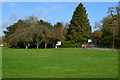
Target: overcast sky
<point>52,11</point>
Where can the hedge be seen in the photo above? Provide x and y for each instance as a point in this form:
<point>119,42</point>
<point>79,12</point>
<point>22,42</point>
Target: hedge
<point>68,44</point>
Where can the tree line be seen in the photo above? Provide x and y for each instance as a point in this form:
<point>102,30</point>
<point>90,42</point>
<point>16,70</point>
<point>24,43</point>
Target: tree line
<point>42,34</point>
<point>32,30</point>
<point>108,34</point>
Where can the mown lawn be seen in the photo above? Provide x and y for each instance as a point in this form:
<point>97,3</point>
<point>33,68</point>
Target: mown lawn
<point>0,63</point>
<point>59,63</point>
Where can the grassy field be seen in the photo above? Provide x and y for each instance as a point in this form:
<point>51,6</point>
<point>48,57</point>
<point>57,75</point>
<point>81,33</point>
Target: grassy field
<point>59,63</point>
<point>0,63</point>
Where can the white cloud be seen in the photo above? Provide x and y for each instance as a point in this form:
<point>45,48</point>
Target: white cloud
<point>12,5</point>
<point>13,16</point>
<point>11,19</point>
<point>43,13</point>
<point>57,8</point>
<point>41,10</point>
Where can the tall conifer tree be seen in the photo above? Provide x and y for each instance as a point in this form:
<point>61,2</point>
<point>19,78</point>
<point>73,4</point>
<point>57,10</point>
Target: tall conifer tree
<point>79,28</point>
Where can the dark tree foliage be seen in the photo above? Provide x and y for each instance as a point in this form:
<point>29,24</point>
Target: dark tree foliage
<point>11,29</point>
<point>96,36</point>
<point>79,28</point>
<point>34,31</point>
<point>110,31</point>
<point>56,33</point>
<point>110,28</point>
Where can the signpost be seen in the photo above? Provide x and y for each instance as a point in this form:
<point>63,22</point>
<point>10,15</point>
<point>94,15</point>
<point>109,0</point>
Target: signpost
<point>58,44</point>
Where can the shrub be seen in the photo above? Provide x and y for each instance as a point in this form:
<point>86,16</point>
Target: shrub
<point>68,44</point>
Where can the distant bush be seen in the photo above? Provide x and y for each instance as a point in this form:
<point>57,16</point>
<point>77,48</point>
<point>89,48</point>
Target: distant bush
<point>68,44</point>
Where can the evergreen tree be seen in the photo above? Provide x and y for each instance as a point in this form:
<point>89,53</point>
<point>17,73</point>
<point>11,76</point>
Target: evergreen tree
<point>79,29</point>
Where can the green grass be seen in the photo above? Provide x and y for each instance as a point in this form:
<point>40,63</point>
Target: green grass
<point>0,63</point>
<point>59,63</point>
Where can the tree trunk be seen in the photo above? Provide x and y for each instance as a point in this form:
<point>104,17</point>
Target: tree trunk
<point>45,45</point>
<point>53,45</point>
<point>113,39</point>
<point>37,46</point>
<point>16,45</point>
<point>26,47</point>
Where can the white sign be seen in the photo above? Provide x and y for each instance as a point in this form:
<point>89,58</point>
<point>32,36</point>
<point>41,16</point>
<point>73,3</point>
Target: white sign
<point>89,40</point>
<point>1,45</point>
<point>58,43</point>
